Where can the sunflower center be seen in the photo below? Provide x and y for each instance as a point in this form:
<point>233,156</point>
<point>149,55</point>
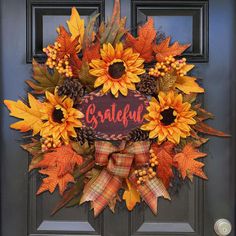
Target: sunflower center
<point>57,115</point>
<point>116,70</point>
<point>168,116</point>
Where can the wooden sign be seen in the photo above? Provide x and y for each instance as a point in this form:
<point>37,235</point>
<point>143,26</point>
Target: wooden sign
<point>113,118</point>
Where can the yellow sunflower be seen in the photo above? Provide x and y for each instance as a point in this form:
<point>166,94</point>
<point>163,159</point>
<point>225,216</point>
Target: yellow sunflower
<point>61,118</point>
<point>169,118</point>
<point>118,70</point>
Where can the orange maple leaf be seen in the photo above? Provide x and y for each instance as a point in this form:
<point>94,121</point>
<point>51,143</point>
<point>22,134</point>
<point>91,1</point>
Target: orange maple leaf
<point>164,49</point>
<point>68,46</point>
<point>164,153</point>
<point>187,164</point>
<point>50,183</point>
<point>63,158</point>
<point>143,43</point>
<point>91,51</point>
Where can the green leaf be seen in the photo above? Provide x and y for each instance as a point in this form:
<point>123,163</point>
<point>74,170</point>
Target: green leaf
<point>43,80</point>
<point>86,78</point>
<point>88,34</point>
<point>76,189</point>
<point>114,29</point>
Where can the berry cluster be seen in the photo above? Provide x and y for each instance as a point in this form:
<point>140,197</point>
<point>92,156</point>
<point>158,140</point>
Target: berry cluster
<point>149,171</point>
<point>169,64</point>
<point>53,61</point>
<point>49,142</point>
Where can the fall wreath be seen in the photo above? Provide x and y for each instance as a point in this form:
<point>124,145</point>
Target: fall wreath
<point>113,111</point>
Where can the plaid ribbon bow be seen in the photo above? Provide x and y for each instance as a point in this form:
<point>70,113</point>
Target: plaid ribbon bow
<point>118,161</point>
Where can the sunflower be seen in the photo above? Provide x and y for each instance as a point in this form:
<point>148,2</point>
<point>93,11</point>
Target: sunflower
<point>61,118</point>
<point>169,118</point>
<point>118,70</point>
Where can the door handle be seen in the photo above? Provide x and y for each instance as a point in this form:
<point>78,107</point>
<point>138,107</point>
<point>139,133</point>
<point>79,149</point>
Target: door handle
<point>222,227</point>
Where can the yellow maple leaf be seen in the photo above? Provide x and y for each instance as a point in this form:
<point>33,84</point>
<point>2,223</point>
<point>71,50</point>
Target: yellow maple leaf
<point>131,196</point>
<point>31,114</point>
<point>188,85</point>
<point>76,27</point>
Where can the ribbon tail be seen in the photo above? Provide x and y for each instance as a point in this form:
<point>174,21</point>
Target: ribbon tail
<point>151,191</point>
<point>101,191</point>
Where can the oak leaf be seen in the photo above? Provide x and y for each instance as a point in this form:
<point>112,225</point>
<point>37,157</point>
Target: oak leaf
<point>164,153</point>
<point>76,27</point>
<point>164,49</point>
<point>30,115</point>
<point>64,158</point>
<point>187,164</point>
<point>131,196</point>
<point>50,183</point>
<point>44,81</point>
<point>143,43</point>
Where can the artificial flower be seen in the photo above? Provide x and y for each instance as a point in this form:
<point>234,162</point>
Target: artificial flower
<point>118,69</point>
<point>169,118</point>
<point>61,118</point>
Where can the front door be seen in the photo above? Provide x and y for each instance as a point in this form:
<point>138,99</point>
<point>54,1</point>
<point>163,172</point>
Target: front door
<point>28,25</point>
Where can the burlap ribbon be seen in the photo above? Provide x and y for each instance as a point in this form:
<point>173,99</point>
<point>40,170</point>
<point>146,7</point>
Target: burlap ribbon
<point>117,162</point>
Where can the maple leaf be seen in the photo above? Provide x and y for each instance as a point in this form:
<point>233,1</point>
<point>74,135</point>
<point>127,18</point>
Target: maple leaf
<point>188,85</point>
<point>164,49</point>
<point>131,196</point>
<point>164,153</point>
<point>50,183</point>
<point>187,164</point>
<point>143,43</point>
<point>44,81</point>
<point>75,64</point>
<point>68,46</point>
<point>76,27</point>
<point>31,114</point>
<point>64,158</point>
<point>92,52</point>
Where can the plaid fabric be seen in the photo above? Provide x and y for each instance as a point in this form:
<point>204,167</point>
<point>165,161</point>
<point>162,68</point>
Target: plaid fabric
<point>101,191</point>
<point>150,191</point>
<point>119,161</point>
<point>119,164</point>
<point>103,149</point>
<point>140,151</point>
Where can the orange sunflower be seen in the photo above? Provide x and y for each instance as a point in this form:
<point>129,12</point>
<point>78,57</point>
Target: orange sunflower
<point>118,69</point>
<point>169,118</point>
<point>61,118</point>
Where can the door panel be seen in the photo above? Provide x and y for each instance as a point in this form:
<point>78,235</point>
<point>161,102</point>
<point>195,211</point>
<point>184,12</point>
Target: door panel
<point>29,25</point>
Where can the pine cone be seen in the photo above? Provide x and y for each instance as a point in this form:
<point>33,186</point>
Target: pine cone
<point>147,85</point>
<point>138,135</point>
<point>71,88</point>
<point>85,135</point>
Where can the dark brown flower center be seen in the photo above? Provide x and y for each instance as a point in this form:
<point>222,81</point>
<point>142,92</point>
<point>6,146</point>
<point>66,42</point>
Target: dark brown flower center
<point>116,70</point>
<point>168,116</point>
<point>57,115</point>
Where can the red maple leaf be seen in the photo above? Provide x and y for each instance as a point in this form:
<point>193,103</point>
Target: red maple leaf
<point>164,153</point>
<point>187,164</point>
<point>143,43</point>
